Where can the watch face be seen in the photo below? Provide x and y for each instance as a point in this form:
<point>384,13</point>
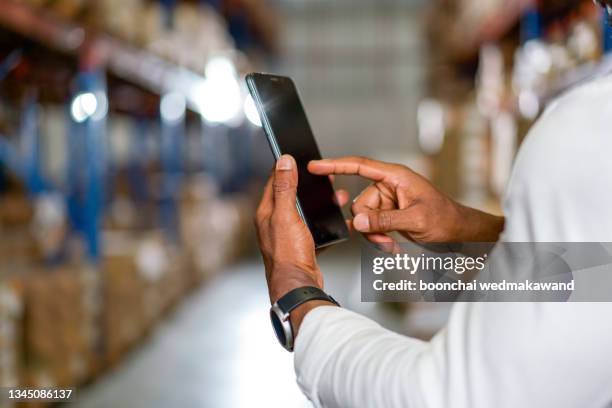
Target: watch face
<point>278,328</point>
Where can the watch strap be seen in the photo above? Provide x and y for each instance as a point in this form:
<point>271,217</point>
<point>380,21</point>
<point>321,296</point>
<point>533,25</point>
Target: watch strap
<point>298,296</point>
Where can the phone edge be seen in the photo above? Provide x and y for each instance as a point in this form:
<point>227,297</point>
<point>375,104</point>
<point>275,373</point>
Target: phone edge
<point>268,131</point>
<point>249,79</point>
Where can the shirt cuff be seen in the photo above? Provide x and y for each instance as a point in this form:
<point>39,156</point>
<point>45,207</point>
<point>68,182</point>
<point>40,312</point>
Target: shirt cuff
<point>323,330</point>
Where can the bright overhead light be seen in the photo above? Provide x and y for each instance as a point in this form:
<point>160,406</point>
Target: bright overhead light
<point>172,107</point>
<point>83,106</point>
<point>89,103</point>
<point>250,111</point>
<point>101,106</point>
<point>529,104</point>
<point>218,100</point>
<point>76,111</point>
<point>220,67</point>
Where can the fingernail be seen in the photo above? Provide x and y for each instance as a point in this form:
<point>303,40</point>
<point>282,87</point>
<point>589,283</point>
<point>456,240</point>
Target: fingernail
<point>361,222</point>
<point>284,163</point>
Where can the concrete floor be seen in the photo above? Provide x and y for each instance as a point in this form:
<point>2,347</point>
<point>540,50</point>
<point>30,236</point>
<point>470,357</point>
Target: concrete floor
<point>218,350</point>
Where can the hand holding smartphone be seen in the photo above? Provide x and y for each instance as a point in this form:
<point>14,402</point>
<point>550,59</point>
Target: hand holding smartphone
<point>288,132</point>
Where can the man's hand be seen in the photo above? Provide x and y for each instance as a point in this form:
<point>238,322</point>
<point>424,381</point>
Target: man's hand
<point>401,200</point>
<point>286,244</point>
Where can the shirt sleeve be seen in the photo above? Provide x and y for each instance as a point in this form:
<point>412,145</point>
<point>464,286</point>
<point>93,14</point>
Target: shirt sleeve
<point>343,359</point>
<point>502,355</point>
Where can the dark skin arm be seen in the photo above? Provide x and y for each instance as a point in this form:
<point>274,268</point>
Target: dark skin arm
<point>401,200</point>
<point>398,200</point>
<point>286,244</point>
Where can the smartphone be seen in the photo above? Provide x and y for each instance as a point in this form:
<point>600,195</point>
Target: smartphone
<point>288,132</point>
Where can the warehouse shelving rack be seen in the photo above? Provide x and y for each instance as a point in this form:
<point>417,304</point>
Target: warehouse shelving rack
<point>99,54</point>
<point>99,298</point>
<point>128,62</point>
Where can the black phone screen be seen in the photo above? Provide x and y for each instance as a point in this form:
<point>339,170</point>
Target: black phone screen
<point>286,124</point>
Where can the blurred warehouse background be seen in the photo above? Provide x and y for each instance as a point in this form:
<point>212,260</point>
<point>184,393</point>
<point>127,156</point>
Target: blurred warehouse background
<point>131,161</point>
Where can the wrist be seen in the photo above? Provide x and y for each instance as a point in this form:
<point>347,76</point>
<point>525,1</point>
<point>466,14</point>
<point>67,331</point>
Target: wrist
<point>285,278</point>
<point>288,312</point>
<point>477,226</point>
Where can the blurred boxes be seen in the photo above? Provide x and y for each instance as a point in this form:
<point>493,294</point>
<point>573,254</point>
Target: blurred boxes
<point>62,319</point>
<point>18,251</point>
<point>62,324</point>
<point>214,230</point>
<point>122,318</point>
<point>15,210</point>
<point>60,330</point>
<point>11,317</point>
<point>117,17</point>
<point>142,278</point>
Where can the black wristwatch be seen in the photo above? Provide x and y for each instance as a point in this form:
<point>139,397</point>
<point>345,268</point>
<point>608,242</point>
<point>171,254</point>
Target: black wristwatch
<point>279,312</point>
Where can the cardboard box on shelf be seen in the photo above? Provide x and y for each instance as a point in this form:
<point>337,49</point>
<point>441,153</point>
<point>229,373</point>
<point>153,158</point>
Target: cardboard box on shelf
<point>15,210</point>
<point>11,317</point>
<point>68,9</point>
<point>150,25</point>
<point>122,288</point>
<point>143,276</point>
<point>60,335</point>
<point>214,230</point>
<point>116,17</point>
<point>18,251</point>
<point>176,43</point>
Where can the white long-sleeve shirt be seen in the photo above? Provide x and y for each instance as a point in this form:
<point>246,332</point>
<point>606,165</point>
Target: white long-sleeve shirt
<point>495,354</point>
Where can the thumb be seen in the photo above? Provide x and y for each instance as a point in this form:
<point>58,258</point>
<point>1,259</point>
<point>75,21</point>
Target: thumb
<point>285,184</point>
<point>380,221</point>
